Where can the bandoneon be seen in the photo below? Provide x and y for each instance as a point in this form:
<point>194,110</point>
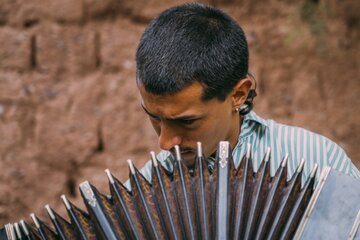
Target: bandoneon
<point>223,202</point>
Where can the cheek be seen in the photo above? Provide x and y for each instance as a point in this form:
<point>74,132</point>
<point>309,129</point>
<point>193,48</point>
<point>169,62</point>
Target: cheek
<point>207,133</point>
<point>219,126</point>
<point>214,131</point>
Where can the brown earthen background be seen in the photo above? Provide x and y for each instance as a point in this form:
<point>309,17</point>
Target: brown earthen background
<point>69,106</point>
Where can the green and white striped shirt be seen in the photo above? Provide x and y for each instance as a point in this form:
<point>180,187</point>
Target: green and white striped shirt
<point>297,142</point>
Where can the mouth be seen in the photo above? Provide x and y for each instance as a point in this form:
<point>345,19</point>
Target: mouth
<point>183,153</point>
<point>187,155</point>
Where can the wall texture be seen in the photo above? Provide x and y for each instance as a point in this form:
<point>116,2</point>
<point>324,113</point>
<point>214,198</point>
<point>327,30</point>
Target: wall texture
<point>69,106</point>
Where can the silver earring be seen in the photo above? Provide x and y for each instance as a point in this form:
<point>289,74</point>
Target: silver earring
<point>236,109</point>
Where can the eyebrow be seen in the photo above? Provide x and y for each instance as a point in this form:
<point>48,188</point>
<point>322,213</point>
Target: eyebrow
<point>188,117</point>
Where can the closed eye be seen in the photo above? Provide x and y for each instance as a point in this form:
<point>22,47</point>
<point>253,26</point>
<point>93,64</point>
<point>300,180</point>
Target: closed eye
<point>154,118</point>
<point>187,121</point>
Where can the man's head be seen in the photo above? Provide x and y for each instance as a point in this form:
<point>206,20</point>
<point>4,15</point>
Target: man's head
<point>192,63</point>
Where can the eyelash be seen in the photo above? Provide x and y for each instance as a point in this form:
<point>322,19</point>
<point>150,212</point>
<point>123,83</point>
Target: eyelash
<point>155,118</point>
<point>186,122</point>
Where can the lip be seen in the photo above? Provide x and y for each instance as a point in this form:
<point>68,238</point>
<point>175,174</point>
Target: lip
<point>188,157</point>
<point>185,155</point>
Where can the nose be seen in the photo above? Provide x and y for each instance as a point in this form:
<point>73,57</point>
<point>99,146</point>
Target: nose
<point>168,137</point>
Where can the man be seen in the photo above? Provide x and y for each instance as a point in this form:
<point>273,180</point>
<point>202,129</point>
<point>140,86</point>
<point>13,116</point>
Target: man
<point>192,74</point>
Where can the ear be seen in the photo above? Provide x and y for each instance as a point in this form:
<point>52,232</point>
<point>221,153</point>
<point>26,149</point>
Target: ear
<point>240,92</point>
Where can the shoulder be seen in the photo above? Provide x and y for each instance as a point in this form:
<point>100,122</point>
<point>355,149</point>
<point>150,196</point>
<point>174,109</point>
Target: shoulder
<point>298,135</point>
<point>313,147</point>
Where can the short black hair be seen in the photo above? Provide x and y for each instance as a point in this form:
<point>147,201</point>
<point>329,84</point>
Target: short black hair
<point>189,43</point>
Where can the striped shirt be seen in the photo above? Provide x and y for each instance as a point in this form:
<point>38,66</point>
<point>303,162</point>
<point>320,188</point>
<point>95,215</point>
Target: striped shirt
<point>297,142</point>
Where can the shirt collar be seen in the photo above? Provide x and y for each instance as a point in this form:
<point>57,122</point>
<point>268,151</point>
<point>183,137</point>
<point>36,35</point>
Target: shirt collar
<point>250,123</point>
<point>253,117</point>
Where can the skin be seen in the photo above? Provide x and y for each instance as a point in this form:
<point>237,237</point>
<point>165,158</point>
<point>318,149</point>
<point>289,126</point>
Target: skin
<point>184,118</point>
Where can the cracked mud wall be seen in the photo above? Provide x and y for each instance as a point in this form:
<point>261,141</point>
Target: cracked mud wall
<point>69,107</point>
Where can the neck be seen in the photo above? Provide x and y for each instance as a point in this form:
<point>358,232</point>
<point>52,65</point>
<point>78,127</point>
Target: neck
<point>237,129</point>
<point>234,138</point>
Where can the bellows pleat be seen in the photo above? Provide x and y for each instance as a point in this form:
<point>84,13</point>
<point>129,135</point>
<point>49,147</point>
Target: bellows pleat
<point>217,202</point>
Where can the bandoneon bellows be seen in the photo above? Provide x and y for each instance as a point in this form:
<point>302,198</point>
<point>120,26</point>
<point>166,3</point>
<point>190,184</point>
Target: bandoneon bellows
<point>217,202</point>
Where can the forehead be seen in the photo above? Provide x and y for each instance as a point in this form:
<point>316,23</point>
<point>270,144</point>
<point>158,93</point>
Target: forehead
<point>185,102</point>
